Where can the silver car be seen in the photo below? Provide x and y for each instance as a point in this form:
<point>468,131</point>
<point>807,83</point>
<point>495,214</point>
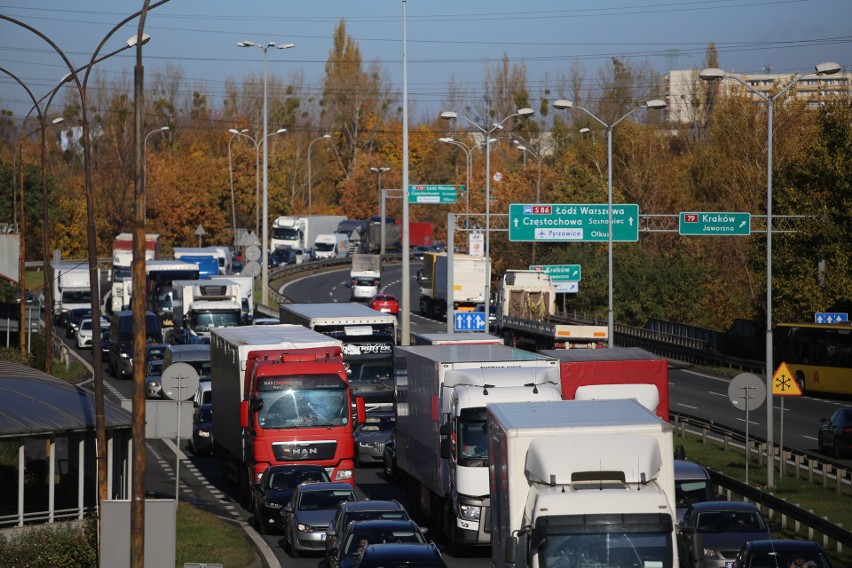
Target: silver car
<point>310,510</point>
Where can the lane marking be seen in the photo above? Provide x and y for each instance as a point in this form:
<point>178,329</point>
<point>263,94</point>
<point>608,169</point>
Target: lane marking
<point>686,406</point>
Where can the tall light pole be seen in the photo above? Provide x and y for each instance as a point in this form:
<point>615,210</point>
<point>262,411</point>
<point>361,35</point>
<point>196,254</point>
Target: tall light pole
<point>231,176</point>
<point>652,104</point>
<point>264,249</point>
<point>716,74</point>
<point>145,154</point>
<point>469,162</point>
<point>256,142</point>
<point>310,183</point>
<point>537,157</point>
<point>450,115</point>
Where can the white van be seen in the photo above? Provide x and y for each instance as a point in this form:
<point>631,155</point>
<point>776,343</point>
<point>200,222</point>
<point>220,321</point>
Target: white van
<point>331,245</point>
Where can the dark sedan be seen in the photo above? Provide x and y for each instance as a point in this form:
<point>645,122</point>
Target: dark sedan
<point>835,433</point>
<point>383,555</point>
<point>275,490</point>
<point>371,437</point>
<point>782,553</point>
<point>202,430</point>
<point>360,534</point>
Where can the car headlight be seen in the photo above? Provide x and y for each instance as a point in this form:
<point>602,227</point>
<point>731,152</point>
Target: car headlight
<point>469,512</point>
<point>711,553</point>
<point>343,475</point>
<point>154,385</point>
<point>124,355</point>
<point>206,434</point>
<point>273,505</point>
<point>304,528</point>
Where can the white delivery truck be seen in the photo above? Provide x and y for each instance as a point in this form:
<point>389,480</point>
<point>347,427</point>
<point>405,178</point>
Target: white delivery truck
<point>199,306</point>
<point>246,291</point>
<point>70,288</point>
<point>122,260</point>
<point>441,444</point>
<point>581,483</point>
<point>331,245</point>
<point>365,276</point>
<point>469,274</point>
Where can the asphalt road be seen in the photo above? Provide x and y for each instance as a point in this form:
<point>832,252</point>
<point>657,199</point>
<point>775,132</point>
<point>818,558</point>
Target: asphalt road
<point>690,392</point>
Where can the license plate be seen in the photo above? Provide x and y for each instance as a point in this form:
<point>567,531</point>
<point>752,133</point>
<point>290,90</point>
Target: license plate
<point>322,536</point>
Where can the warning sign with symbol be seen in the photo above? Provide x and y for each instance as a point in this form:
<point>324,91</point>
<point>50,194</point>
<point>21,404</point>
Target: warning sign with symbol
<point>783,382</point>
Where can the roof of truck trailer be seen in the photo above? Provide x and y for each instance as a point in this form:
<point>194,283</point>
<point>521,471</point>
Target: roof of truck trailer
<point>282,336</point>
<point>617,414</point>
<point>608,354</point>
<point>465,353</point>
<point>459,337</point>
<point>340,310</point>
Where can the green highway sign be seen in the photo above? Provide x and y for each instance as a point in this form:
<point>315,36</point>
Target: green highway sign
<point>559,272</point>
<point>572,222</point>
<point>432,193</point>
<point>714,223</point>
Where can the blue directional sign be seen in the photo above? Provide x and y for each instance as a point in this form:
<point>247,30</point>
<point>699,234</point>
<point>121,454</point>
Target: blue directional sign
<point>830,317</point>
<point>469,321</point>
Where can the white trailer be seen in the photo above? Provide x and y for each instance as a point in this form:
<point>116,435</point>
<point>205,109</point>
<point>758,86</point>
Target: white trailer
<point>469,276</point>
<point>441,444</point>
<point>301,232</point>
<point>584,482</point>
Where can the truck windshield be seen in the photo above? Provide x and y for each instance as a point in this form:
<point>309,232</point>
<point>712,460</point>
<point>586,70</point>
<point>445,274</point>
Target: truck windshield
<point>323,247</point>
<point>76,297</point>
<point>285,234</point>
<point>302,401</point>
<point>472,442</point>
<point>121,273</point>
<point>625,542</point>
<point>205,321</point>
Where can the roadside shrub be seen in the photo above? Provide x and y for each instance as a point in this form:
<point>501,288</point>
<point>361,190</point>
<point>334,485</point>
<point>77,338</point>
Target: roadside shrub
<point>62,544</point>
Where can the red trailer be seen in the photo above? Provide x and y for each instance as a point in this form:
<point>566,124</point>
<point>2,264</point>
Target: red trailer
<point>420,234</point>
<point>620,372</point>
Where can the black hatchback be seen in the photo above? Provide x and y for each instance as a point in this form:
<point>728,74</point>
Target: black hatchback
<point>383,555</point>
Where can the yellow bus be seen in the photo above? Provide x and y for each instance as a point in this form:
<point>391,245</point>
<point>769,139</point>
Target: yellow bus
<point>819,355</point>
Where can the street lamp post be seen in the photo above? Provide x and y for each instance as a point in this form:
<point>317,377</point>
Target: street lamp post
<point>469,163</point>
<point>716,74</point>
<point>652,104</point>
<point>264,249</point>
<point>537,157</point>
<point>450,115</point>
<point>379,171</point>
<point>145,154</point>
<point>256,142</point>
<point>231,176</point>
<point>310,182</point>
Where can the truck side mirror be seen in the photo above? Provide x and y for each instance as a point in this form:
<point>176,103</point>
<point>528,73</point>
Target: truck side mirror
<point>446,448</point>
<point>509,550</point>
<point>244,412</point>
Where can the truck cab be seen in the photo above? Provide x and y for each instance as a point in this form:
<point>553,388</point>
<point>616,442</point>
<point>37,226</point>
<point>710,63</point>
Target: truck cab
<point>331,245</point>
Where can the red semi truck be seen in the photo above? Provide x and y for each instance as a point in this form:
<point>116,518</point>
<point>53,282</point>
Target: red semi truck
<point>620,372</point>
<point>282,397</point>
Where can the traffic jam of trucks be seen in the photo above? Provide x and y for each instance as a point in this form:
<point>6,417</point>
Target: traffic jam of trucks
<point>532,438</point>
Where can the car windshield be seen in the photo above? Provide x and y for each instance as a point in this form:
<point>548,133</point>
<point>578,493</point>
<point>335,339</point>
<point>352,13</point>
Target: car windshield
<point>205,416</point>
<point>378,424</point>
<point>358,539</point>
<point>773,559</point>
<point>324,500</point>
<point>689,491</point>
<point>291,478</point>
<point>730,521</point>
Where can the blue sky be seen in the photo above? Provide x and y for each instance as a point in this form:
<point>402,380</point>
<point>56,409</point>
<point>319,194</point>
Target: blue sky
<point>447,41</point>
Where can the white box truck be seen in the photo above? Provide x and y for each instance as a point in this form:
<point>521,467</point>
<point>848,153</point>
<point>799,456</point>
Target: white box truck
<point>70,289</point>
<point>199,306</point>
<point>581,483</point>
<point>301,232</point>
<point>469,274</point>
<point>441,445</point>
<point>365,276</point>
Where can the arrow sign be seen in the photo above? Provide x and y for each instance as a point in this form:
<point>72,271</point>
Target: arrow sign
<point>468,321</point>
<point>830,317</point>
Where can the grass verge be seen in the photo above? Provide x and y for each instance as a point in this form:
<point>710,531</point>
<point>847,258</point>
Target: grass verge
<point>823,501</point>
<point>202,537</point>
